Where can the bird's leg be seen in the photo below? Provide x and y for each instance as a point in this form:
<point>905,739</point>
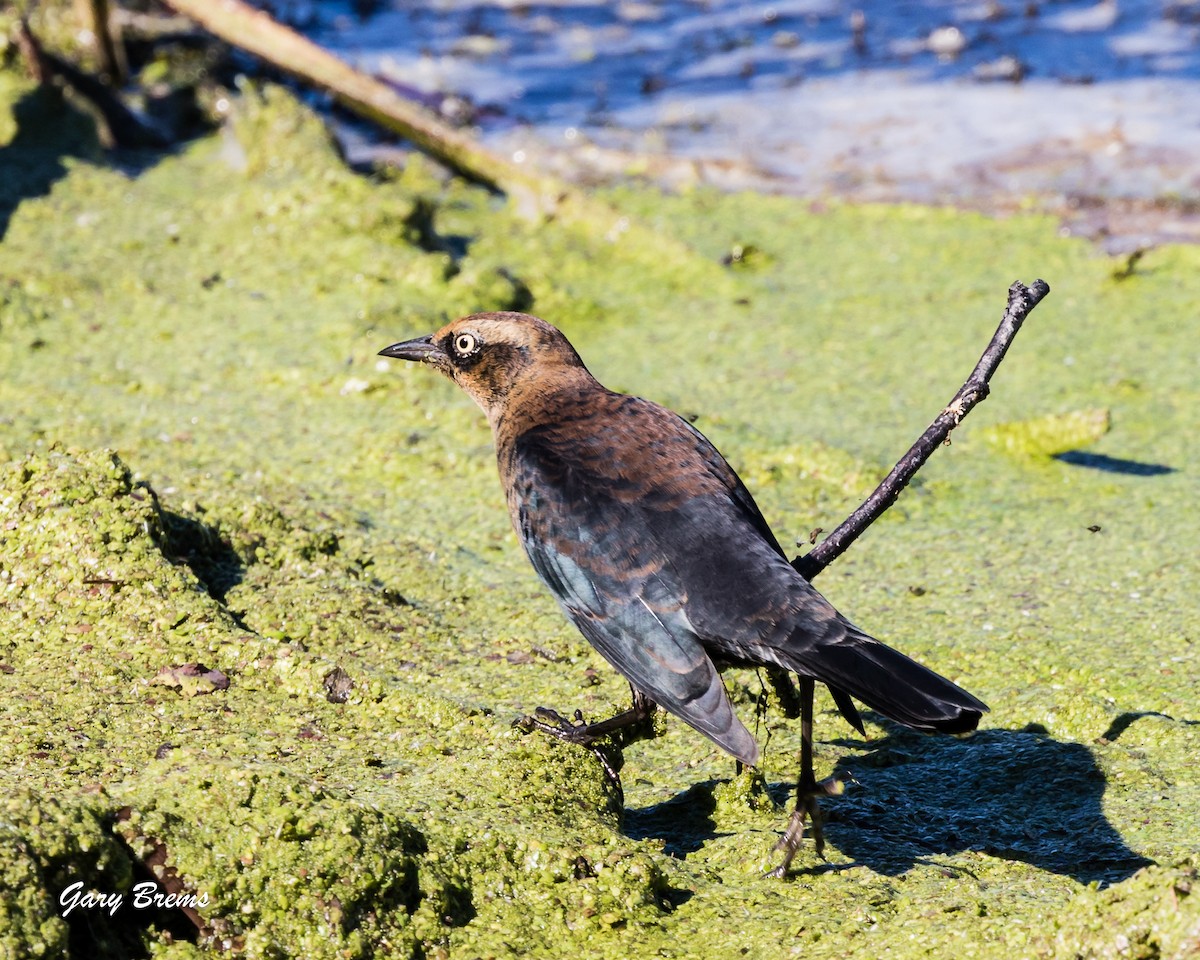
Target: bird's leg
<point>807,791</point>
<point>785,690</point>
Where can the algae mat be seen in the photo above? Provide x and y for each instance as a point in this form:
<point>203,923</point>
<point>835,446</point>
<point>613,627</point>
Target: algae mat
<point>264,628</point>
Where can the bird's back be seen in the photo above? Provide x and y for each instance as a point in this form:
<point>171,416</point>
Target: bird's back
<point>644,531</point>
<point>644,490</point>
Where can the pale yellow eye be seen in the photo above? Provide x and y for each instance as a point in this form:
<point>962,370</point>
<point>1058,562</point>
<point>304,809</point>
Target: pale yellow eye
<point>465,344</point>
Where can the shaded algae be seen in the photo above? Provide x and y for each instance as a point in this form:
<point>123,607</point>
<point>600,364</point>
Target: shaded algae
<point>205,463</point>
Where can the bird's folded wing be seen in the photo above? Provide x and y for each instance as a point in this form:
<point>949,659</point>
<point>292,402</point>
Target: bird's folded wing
<point>648,640</point>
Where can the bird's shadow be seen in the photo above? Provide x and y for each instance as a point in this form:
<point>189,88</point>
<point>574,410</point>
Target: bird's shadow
<point>1013,794</point>
<point>1107,464</point>
<point>684,823</point>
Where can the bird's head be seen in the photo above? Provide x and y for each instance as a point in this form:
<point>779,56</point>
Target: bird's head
<point>490,355</point>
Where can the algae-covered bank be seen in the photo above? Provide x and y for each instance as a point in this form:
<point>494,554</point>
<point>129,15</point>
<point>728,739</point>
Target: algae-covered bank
<point>264,627</point>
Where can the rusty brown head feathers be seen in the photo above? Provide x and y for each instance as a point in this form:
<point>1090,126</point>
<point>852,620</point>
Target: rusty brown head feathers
<point>495,356</point>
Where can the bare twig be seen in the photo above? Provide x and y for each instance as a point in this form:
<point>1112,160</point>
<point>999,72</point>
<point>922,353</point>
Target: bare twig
<point>107,38</point>
<point>239,24</point>
<point>1021,301</point>
<point>40,72</point>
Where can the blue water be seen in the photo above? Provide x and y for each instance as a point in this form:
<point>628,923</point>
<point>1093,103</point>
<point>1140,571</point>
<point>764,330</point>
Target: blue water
<point>971,102</point>
<point>571,62</point>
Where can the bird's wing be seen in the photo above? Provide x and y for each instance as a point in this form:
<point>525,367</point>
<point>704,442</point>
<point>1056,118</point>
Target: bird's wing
<point>589,536</point>
<point>661,557</point>
<point>741,501</point>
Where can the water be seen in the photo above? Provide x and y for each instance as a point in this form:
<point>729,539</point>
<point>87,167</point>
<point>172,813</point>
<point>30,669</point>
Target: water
<point>1091,109</point>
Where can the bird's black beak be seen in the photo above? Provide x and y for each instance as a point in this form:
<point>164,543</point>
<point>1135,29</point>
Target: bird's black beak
<point>421,350</point>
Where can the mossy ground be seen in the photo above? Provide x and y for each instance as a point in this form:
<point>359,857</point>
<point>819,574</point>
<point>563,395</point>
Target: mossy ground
<point>207,463</point>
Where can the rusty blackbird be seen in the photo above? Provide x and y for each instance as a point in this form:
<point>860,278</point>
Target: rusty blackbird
<point>656,551</point>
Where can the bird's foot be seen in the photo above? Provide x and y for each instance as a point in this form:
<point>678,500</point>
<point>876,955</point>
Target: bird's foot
<point>806,809</point>
<point>582,733</point>
<point>628,726</point>
<point>575,730</point>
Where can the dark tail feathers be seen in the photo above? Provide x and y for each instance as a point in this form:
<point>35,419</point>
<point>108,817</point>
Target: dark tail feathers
<point>891,683</point>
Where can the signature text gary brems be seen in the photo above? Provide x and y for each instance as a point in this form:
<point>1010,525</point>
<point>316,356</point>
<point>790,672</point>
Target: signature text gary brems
<point>145,895</point>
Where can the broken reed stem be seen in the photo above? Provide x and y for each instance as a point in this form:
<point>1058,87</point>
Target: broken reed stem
<point>110,52</point>
<point>241,25</point>
<point>1021,301</point>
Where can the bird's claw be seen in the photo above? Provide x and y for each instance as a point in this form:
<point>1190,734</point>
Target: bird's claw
<point>579,732</point>
<point>793,834</point>
<point>575,730</point>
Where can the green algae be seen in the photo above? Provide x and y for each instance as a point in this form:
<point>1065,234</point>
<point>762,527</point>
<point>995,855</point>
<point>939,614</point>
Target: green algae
<point>293,870</point>
<point>1051,434</point>
<point>50,844</point>
<point>1150,916</point>
<point>282,505</point>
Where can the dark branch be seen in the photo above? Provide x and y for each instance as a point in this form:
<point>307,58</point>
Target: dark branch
<point>107,40</point>
<point>122,126</point>
<point>1021,301</point>
<point>31,52</point>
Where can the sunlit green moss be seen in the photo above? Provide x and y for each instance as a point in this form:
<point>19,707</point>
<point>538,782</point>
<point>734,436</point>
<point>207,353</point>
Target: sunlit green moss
<point>1051,434</point>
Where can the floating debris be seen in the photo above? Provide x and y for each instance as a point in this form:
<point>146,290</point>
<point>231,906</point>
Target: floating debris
<point>191,679</point>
